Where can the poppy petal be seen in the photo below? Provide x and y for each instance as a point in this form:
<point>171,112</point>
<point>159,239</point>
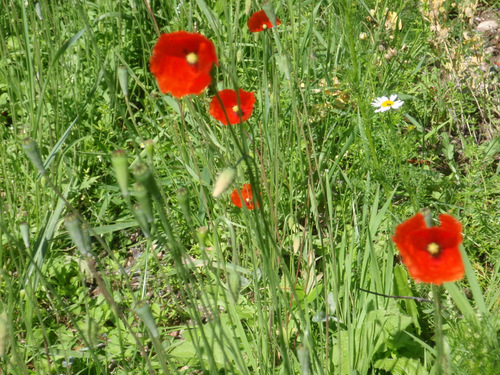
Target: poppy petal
<point>431,254</point>
<point>181,63</point>
<point>229,111</point>
<point>246,194</point>
<point>259,22</point>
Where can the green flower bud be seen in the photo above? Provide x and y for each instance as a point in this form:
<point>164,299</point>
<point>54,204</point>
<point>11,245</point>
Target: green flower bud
<point>201,233</point>
<point>268,7</point>
<point>123,78</point>
<point>75,231</point>
<point>120,165</point>
<point>144,199</point>
<point>234,284</point>
<point>144,175</point>
<point>142,219</point>
<point>226,178</point>
<point>25,233</point>
<point>183,197</point>
<point>144,311</point>
<point>31,149</point>
<point>4,331</point>
<point>149,144</point>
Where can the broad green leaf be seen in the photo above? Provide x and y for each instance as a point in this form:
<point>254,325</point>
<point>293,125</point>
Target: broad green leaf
<point>401,366</point>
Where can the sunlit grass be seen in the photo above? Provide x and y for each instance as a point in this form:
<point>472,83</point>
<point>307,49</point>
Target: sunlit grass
<point>169,279</point>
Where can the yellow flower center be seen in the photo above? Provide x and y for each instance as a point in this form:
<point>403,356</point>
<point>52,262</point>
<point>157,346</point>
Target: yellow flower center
<point>192,58</point>
<point>387,103</point>
<point>433,248</point>
<point>264,26</point>
<point>236,109</point>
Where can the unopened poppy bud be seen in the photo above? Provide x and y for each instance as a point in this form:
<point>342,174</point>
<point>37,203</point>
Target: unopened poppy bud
<point>75,231</point>
<point>123,78</point>
<point>144,311</point>
<point>182,195</point>
<point>149,145</point>
<point>183,198</point>
<point>363,36</point>
<point>38,10</point>
<point>268,7</point>
<point>119,161</point>
<point>234,283</point>
<point>25,233</point>
<point>144,175</point>
<point>427,216</point>
<point>141,218</point>
<point>3,333</point>
<point>226,178</point>
<point>201,233</point>
<point>144,199</point>
<point>31,149</point>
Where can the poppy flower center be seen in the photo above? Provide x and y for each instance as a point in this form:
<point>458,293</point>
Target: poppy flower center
<point>433,248</point>
<point>236,109</point>
<point>192,58</point>
<point>387,103</point>
<point>264,26</point>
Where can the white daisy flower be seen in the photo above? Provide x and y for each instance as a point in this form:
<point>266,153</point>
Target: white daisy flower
<point>384,103</point>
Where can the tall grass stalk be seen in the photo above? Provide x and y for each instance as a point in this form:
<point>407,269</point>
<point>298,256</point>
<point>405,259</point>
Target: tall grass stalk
<point>164,278</point>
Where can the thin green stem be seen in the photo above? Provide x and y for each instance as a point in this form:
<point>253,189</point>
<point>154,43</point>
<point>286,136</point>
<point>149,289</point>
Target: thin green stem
<point>441,366</point>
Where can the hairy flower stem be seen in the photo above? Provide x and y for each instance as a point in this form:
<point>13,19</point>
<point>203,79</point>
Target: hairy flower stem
<point>441,366</point>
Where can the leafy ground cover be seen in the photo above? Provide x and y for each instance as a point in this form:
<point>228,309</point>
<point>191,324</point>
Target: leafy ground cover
<point>117,258</point>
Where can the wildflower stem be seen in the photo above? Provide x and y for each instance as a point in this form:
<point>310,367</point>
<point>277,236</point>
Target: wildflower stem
<point>418,299</point>
<point>441,363</point>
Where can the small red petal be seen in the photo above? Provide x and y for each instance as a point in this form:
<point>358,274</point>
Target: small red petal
<point>225,113</point>
<point>246,194</point>
<point>257,21</point>
<point>235,197</point>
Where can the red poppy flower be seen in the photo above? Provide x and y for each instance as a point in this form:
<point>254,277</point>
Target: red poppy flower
<point>246,194</point>
<point>431,254</point>
<point>181,63</point>
<point>259,21</point>
<point>230,106</point>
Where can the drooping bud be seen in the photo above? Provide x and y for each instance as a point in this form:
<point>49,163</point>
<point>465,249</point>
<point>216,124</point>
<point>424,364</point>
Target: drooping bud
<point>144,175</point>
<point>38,10</point>
<point>31,149</point>
<point>144,311</point>
<point>234,284</point>
<point>268,7</point>
<point>25,233</point>
<point>120,164</point>
<point>144,201</point>
<point>75,231</point>
<point>248,6</point>
<point>183,198</point>
<point>3,333</point>
<point>149,145</point>
<point>140,215</point>
<point>123,78</point>
<point>201,233</point>
<point>226,178</point>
